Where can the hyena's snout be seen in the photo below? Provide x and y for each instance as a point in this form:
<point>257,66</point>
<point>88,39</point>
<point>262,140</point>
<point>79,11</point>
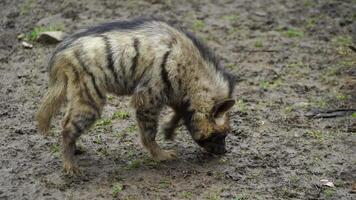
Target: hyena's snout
<point>214,144</point>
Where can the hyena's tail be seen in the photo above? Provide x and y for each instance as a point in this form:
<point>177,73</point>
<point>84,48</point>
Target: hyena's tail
<point>52,101</point>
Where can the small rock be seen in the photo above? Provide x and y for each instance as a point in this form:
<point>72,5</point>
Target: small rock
<point>326,182</point>
<point>226,194</point>
<point>27,45</point>
<point>51,37</point>
<point>21,36</point>
<point>260,13</point>
<point>54,20</point>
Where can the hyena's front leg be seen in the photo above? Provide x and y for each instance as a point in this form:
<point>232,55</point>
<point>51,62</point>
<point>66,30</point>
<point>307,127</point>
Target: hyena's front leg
<point>148,121</point>
<point>169,127</point>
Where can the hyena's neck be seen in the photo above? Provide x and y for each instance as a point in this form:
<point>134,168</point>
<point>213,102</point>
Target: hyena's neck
<point>203,86</point>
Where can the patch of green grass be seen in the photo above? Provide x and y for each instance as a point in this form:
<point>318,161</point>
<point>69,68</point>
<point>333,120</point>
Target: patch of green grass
<point>230,66</point>
<point>130,129</point>
<point>223,161</point>
<point>33,35</point>
<point>233,31</point>
<point>55,148</point>
<point>342,40</point>
<point>341,97</point>
<point>164,183</point>
<point>214,196</point>
<point>103,151</point>
<point>123,133</point>
<point>293,33</point>
<point>198,25</point>
<point>264,84</point>
<point>311,22</point>
<point>353,115</point>
<point>110,98</point>
<point>329,193</point>
<point>133,164</point>
<point>136,163</point>
<point>318,102</point>
<point>315,134</point>
<point>267,84</point>
<point>241,197</point>
<point>98,139</point>
<point>294,180</point>
<point>231,18</point>
<point>121,115</point>
<point>120,135</point>
<point>347,63</point>
<point>339,183</point>
<point>298,64</point>
<point>258,44</point>
<point>116,189</point>
<point>308,3</point>
<point>288,109</point>
<point>329,76</point>
<point>186,194</point>
<point>27,6</point>
<point>103,122</point>
<point>241,105</point>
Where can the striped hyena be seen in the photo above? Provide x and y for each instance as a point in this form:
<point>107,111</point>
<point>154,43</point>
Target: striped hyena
<point>155,63</point>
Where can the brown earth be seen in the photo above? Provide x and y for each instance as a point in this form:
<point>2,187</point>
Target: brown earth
<point>292,59</point>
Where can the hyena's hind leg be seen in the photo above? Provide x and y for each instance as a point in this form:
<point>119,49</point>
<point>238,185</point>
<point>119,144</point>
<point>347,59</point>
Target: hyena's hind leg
<point>170,126</point>
<point>79,118</point>
<point>148,121</point>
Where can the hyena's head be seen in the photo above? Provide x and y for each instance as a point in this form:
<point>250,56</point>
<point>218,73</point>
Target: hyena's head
<point>210,129</point>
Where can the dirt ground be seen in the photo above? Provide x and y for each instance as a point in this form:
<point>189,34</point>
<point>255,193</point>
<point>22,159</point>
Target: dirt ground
<point>292,59</point>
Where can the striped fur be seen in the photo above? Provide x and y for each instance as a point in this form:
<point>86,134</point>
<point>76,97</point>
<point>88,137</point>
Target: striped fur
<point>153,62</point>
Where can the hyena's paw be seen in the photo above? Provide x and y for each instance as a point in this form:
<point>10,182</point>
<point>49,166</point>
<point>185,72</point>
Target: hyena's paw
<point>71,169</point>
<point>163,155</point>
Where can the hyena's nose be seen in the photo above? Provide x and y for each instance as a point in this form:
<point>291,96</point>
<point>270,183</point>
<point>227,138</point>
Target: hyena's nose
<point>217,150</point>
<point>221,150</point>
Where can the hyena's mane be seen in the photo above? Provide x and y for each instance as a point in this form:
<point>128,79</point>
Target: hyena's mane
<point>209,56</point>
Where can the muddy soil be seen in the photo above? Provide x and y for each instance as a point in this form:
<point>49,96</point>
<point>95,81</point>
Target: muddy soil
<point>292,58</point>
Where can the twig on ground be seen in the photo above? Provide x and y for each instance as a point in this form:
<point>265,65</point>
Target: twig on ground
<point>330,113</point>
<point>261,50</point>
<point>352,48</point>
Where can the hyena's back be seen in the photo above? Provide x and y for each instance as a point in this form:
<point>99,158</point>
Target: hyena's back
<point>117,57</point>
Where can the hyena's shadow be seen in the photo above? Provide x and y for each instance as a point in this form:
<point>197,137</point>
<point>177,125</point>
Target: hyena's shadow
<point>120,164</point>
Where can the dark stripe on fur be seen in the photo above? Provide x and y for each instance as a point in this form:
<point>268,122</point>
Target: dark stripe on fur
<point>75,71</point>
<point>77,128</point>
<point>84,67</point>
<point>101,67</point>
<point>164,74</point>
<point>136,43</point>
<point>187,114</point>
<point>143,74</point>
<point>123,71</point>
<point>109,57</point>
<point>91,101</point>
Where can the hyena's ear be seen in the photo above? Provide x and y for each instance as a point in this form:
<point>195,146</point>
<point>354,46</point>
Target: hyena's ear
<point>222,107</point>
